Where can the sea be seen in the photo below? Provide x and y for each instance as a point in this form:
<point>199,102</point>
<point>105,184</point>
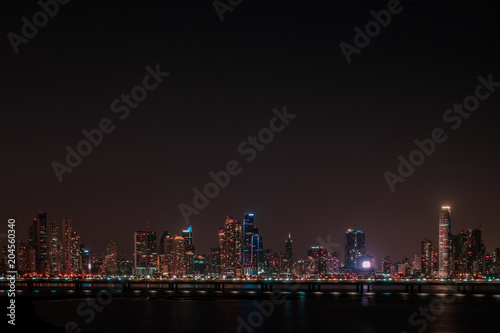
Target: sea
<point>438,309</point>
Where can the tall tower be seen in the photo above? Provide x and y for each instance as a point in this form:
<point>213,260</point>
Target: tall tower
<point>111,261</point>
<point>40,242</point>
<point>140,252</point>
<point>427,258</point>
<point>288,255</point>
<point>354,248</point>
<point>179,256</point>
<point>444,242</point>
<point>252,257</point>
<point>54,248</point>
<point>67,231</point>
<point>230,243</point>
<point>187,234</point>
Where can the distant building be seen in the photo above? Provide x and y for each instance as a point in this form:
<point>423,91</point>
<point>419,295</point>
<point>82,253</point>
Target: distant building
<point>386,265</point>
<point>427,258</point>
<point>444,248</point>
<point>252,247</point>
<point>145,252</point>
<point>67,231</point>
<point>354,248</point>
<point>111,261</point>
<point>179,264</point>
<point>230,244</point>
<point>288,259</point>
<point>317,256</point>
<point>40,243</point>
<point>54,249</point>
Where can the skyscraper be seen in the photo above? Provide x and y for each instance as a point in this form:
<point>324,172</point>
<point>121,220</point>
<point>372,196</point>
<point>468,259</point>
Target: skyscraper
<point>40,242</point>
<point>179,256</point>
<point>111,261</point>
<point>75,251</point>
<point>354,248</point>
<point>252,256</point>
<point>230,244</point>
<point>444,242</point>
<point>427,258</point>
<point>187,234</point>
<point>288,261</point>
<point>67,231</point>
<point>318,255</point>
<point>54,249</point>
<point>145,252</point>
<point>386,265</point>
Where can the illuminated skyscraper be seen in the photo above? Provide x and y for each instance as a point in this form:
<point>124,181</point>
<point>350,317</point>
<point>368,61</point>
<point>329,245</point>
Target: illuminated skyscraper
<point>319,256</point>
<point>145,252</point>
<point>354,248</point>
<point>179,256</point>
<point>67,230</point>
<point>54,249</point>
<point>444,242</point>
<point>386,265</point>
<point>230,244</point>
<point>40,243</point>
<point>427,258</point>
<point>140,261</point>
<point>288,260</point>
<point>187,234</point>
<point>111,261</point>
<point>85,260</point>
<point>75,251</point>
<point>252,256</point>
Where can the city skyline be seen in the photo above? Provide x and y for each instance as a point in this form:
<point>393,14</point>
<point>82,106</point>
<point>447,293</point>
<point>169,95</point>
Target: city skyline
<point>242,253</point>
<point>138,137</point>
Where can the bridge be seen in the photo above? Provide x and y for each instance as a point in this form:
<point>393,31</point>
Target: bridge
<point>359,286</point>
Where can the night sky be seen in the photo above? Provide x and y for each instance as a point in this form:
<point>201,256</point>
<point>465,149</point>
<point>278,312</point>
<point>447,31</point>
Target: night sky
<point>323,174</point>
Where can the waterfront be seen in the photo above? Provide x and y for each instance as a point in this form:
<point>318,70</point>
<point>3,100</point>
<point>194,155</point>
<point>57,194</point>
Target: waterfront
<point>336,311</point>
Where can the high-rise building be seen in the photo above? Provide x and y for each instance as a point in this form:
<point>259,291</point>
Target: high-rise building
<point>427,258</point>
<point>333,263</point>
<point>187,234</point>
<point>40,243</point>
<point>179,256</point>
<point>145,252</point>
<point>85,260</point>
<point>140,252</point>
<point>161,248</point>
<point>199,265</point>
<point>75,251</point>
<point>67,231</point>
<point>444,242</point>
<point>386,265</point>
<point>111,260</point>
<point>318,256</point>
<point>54,249</point>
<point>288,260</point>
<point>22,256</point>
<point>214,258</point>
<point>355,248</point>
<point>252,256</point>
<point>230,244</point>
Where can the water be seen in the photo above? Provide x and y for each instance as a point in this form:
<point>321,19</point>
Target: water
<point>326,311</point>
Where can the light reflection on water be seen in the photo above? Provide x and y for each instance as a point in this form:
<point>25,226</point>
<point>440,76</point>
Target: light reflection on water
<point>302,311</point>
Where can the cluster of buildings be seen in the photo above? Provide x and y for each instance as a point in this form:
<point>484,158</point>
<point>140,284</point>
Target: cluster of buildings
<point>457,255</point>
<point>239,253</point>
<point>56,250</point>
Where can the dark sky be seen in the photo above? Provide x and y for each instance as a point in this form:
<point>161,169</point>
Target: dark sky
<point>321,175</point>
